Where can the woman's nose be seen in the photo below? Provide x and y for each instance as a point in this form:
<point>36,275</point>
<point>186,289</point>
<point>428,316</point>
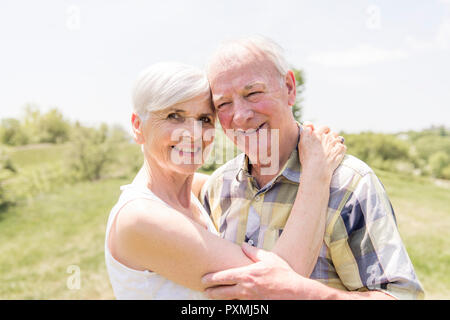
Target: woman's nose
<point>192,129</point>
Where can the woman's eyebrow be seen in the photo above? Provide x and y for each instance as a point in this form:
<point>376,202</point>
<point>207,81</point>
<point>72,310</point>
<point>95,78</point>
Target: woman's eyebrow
<point>206,115</point>
<point>171,109</point>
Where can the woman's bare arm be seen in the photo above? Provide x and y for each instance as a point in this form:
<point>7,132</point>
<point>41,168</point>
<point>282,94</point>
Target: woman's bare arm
<point>302,237</point>
<point>174,246</point>
<point>170,244</point>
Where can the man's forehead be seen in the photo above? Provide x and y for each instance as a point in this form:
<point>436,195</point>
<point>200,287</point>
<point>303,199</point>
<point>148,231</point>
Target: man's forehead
<point>240,79</point>
<point>222,85</point>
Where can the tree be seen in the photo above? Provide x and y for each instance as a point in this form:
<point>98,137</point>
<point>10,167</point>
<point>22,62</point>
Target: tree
<point>439,162</point>
<point>300,85</point>
<point>12,133</point>
<point>92,149</point>
<point>6,169</point>
<point>53,127</point>
<point>50,127</point>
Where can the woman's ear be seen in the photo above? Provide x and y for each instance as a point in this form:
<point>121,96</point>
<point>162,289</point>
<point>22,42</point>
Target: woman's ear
<point>136,123</point>
<point>291,86</point>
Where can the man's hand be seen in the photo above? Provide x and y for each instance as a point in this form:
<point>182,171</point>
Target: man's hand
<point>270,277</point>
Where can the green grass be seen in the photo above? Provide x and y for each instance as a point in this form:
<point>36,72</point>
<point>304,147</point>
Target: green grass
<point>423,217</point>
<point>41,238</point>
<point>35,155</point>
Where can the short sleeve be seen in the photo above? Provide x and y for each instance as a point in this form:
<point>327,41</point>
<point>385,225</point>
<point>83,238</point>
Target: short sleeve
<point>366,248</point>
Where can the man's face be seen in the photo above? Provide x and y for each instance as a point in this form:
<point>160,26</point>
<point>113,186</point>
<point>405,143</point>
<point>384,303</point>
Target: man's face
<point>252,100</point>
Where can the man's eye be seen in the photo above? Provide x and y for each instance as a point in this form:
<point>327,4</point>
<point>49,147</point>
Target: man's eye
<point>222,105</point>
<point>253,93</point>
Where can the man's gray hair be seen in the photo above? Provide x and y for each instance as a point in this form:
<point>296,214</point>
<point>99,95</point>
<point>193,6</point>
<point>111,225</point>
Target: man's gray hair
<point>165,84</point>
<point>260,46</point>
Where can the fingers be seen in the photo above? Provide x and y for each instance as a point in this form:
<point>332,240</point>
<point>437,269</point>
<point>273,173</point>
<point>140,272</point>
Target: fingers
<point>308,124</point>
<point>225,277</point>
<point>223,292</point>
<point>338,152</point>
<point>253,253</point>
<point>323,129</point>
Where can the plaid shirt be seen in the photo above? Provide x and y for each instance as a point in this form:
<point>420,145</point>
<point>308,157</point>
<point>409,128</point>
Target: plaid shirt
<point>362,248</point>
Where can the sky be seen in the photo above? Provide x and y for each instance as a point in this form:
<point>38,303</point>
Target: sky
<point>380,66</point>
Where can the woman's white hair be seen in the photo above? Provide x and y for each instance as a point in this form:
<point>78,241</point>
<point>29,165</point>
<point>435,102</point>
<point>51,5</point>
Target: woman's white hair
<point>261,47</point>
<point>165,84</point>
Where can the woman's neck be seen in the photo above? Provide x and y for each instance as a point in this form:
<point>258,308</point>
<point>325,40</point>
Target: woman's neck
<point>172,187</point>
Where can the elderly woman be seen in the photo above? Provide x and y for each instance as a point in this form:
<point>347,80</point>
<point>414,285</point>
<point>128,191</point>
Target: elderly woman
<point>159,239</point>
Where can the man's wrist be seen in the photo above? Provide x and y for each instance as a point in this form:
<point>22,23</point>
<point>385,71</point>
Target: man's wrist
<point>314,290</point>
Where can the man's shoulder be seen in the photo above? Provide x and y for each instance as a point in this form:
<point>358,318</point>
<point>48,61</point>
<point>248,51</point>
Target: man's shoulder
<point>350,167</point>
<point>349,175</point>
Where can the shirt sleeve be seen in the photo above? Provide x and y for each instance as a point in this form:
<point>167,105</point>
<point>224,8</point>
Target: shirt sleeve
<point>366,248</point>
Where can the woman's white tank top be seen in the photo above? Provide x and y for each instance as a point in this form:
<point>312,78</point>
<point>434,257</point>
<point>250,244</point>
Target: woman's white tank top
<point>130,284</point>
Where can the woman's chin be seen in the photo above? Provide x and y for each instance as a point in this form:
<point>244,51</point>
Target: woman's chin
<point>186,168</point>
<point>186,161</point>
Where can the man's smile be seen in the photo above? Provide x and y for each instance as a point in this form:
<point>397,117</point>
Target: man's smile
<point>248,132</point>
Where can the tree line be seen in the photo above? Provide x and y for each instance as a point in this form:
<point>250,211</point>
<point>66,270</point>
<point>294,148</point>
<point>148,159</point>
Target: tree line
<point>95,152</point>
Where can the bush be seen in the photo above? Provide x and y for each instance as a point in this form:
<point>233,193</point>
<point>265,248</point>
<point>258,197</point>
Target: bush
<point>12,133</point>
<point>438,162</point>
<point>6,170</point>
<point>50,127</point>
<point>92,149</point>
<point>379,150</point>
<point>445,173</point>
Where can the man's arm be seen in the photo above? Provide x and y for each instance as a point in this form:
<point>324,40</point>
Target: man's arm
<point>271,278</point>
<point>365,245</point>
<point>365,248</point>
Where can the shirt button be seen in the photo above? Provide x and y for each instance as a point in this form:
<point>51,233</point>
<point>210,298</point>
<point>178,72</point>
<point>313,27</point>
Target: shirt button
<point>257,198</point>
<point>250,242</point>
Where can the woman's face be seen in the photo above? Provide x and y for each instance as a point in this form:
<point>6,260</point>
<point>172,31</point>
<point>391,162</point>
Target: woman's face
<point>178,138</point>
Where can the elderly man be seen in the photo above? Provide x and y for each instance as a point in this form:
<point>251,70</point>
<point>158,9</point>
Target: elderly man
<point>362,255</point>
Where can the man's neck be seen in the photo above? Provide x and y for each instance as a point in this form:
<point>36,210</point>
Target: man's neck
<point>285,146</point>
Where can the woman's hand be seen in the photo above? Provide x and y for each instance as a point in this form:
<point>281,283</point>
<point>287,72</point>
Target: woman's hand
<point>320,150</point>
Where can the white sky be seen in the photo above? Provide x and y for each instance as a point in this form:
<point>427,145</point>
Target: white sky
<point>369,65</point>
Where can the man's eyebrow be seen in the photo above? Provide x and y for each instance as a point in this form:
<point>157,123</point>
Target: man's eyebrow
<point>216,97</point>
<point>254,84</point>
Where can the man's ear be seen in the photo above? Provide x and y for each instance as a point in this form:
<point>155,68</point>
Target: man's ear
<point>291,86</point>
<point>136,124</point>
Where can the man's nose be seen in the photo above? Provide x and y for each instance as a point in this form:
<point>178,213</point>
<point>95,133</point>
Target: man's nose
<point>242,113</point>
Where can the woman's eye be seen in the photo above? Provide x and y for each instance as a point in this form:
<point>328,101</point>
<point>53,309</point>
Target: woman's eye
<point>205,120</point>
<point>174,116</point>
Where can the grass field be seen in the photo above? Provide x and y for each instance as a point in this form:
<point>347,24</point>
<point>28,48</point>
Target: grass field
<point>41,238</point>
